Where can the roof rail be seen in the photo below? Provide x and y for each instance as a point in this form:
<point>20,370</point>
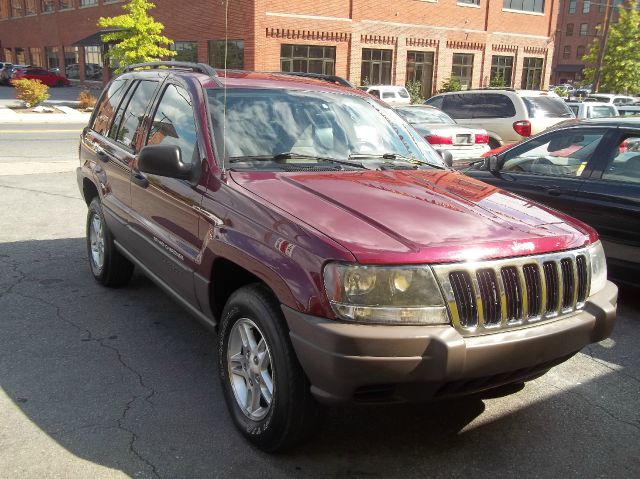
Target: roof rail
<point>196,67</point>
<point>492,88</point>
<point>320,76</point>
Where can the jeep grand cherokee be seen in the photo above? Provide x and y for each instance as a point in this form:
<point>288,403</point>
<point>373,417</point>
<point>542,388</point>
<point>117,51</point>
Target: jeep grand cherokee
<point>328,245</point>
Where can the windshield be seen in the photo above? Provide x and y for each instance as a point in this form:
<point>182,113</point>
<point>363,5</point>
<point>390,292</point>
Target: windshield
<point>547,107</point>
<point>268,123</point>
<point>425,115</point>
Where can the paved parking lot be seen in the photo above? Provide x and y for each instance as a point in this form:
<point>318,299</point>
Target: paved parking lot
<point>122,383</point>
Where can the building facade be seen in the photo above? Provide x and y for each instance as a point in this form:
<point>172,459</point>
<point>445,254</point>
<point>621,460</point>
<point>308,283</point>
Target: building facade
<point>579,23</point>
<point>365,41</point>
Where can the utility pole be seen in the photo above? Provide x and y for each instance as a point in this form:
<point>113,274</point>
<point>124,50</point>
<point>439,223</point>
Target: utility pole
<point>603,45</point>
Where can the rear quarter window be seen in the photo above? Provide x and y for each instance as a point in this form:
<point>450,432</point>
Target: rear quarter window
<point>493,105</point>
<point>108,105</point>
<point>547,107</point>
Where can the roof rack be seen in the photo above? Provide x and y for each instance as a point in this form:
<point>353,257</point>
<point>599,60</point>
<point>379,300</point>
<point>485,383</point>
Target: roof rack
<point>492,88</point>
<point>196,67</point>
<point>320,76</point>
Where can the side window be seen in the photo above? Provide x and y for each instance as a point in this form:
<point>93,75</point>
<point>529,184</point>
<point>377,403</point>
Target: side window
<point>388,94</point>
<point>108,104</point>
<point>375,93</point>
<point>625,165</point>
<point>435,101</point>
<point>174,124</point>
<point>561,153</point>
<point>459,105</point>
<point>133,114</point>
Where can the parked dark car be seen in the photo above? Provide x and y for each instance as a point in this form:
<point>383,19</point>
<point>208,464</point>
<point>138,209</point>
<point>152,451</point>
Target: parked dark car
<point>328,245</point>
<point>45,76</point>
<point>588,169</point>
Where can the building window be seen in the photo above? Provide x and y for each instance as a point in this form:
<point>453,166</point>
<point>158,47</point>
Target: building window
<point>21,57</point>
<point>51,57</point>
<point>35,57</point>
<point>235,54</point>
<point>420,68</point>
<point>579,52</point>
<point>569,31</point>
<point>88,3</point>
<point>584,28</point>
<point>502,67</point>
<point>4,9</point>
<point>16,8</point>
<point>8,55</point>
<point>46,6</point>
<point>524,5</point>
<point>566,53</point>
<point>586,6</point>
<point>572,6</point>
<point>308,59</point>
<point>30,7</point>
<point>532,73</point>
<point>376,67</point>
<point>469,2</point>
<point>65,4</point>
<point>186,51</point>
<point>72,63</point>
<point>93,63</point>
<point>462,69</point>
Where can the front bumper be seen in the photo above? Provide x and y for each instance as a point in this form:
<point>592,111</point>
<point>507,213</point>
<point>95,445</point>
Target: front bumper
<point>353,362</point>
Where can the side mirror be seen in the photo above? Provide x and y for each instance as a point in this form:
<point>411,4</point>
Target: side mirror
<point>491,163</point>
<point>164,160</point>
<point>446,156</point>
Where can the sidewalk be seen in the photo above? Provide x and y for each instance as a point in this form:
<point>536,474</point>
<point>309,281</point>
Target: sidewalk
<point>69,115</point>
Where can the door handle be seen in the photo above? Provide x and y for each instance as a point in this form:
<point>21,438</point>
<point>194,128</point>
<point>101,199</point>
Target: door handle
<point>139,179</point>
<point>101,154</point>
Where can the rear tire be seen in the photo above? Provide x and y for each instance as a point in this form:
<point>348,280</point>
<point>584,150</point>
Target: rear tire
<point>267,393</point>
<point>107,264</point>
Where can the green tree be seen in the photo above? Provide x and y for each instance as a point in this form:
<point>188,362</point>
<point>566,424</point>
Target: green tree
<point>138,38</point>
<point>498,81</point>
<point>620,70</point>
<point>415,91</point>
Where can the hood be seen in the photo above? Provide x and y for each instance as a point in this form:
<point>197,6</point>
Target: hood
<point>417,216</point>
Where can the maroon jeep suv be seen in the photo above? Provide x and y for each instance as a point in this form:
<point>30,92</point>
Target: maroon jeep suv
<point>332,250</point>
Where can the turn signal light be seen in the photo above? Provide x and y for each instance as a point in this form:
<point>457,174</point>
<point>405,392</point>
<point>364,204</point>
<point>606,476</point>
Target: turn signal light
<point>522,128</point>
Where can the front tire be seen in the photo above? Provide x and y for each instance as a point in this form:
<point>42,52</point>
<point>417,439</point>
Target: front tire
<point>107,264</point>
<point>267,393</point>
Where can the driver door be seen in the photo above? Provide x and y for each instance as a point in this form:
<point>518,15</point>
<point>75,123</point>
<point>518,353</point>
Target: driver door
<point>551,168</point>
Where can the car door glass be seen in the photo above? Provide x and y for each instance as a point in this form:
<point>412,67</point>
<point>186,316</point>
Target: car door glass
<point>388,94</point>
<point>562,153</point>
<point>174,123</point>
<point>108,106</point>
<point>493,105</point>
<point>133,114</point>
<point>459,106</point>
<point>625,165</point>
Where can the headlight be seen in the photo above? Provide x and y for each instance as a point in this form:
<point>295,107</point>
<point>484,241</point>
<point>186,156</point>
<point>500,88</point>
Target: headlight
<point>598,268</point>
<point>385,294</point>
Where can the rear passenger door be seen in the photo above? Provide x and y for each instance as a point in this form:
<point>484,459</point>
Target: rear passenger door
<point>165,230</point>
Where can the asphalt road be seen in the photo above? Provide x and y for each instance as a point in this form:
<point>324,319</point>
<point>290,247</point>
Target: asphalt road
<point>122,383</point>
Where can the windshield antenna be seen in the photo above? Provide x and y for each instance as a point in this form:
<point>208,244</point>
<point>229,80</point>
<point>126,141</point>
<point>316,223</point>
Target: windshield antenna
<point>224,103</point>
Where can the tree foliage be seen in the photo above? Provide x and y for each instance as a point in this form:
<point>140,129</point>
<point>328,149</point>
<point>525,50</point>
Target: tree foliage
<point>138,38</point>
<point>451,84</point>
<point>498,81</point>
<point>620,72</point>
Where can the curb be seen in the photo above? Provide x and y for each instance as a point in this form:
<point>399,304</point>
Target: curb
<point>7,115</point>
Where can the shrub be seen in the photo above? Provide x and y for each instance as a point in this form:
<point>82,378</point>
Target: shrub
<point>86,100</point>
<point>498,81</point>
<point>451,84</point>
<point>32,92</point>
<point>415,92</point>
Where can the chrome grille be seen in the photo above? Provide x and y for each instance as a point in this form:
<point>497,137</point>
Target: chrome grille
<point>502,294</point>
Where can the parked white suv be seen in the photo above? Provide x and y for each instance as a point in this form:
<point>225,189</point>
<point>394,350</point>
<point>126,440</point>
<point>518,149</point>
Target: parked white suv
<point>392,94</point>
<point>508,115</point>
<point>593,109</point>
<point>611,98</point>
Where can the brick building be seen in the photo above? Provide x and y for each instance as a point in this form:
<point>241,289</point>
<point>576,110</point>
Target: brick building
<point>579,22</point>
<point>372,41</point>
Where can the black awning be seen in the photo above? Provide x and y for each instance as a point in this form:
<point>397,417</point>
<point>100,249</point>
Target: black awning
<point>95,39</point>
<point>569,68</point>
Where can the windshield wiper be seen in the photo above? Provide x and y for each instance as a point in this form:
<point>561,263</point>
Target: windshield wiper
<point>394,157</point>
<point>292,156</point>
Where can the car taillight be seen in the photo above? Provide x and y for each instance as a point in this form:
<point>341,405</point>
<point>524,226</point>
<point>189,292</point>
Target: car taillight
<point>482,138</point>
<point>522,128</point>
<point>439,140</point>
